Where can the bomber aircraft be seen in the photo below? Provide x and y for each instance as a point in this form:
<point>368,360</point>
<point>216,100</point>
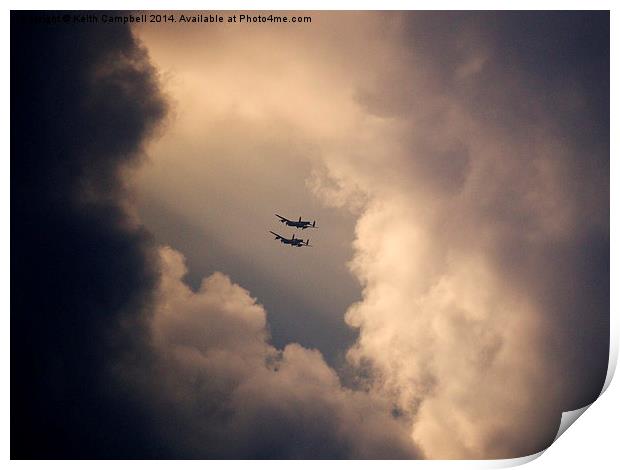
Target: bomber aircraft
<point>298,242</point>
<point>302,224</point>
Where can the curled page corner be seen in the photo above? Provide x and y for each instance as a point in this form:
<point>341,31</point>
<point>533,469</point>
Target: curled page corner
<point>506,463</point>
<point>568,418</point>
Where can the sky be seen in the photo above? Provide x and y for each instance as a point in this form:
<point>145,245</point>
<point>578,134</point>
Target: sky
<point>456,297</point>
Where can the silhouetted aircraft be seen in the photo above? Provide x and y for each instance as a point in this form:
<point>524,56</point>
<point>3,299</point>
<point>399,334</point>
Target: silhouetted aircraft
<point>298,242</point>
<point>302,224</point>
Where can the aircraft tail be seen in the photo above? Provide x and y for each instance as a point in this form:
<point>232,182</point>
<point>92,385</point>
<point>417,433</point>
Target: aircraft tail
<point>313,223</point>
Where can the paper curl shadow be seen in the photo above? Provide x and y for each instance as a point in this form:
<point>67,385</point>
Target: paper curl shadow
<point>568,417</point>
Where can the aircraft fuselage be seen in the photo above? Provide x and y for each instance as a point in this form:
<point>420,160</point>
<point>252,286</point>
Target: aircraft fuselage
<point>302,225</point>
<point>293,241</point>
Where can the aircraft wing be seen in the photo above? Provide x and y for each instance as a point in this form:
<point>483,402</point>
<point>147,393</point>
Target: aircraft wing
<point>278,237</point>
<point>283,219</point>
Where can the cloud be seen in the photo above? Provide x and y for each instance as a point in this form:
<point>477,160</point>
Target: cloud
<point>483,248</point>
<point>233,395</point>
<point>84,100</point>
<point>456,346</point>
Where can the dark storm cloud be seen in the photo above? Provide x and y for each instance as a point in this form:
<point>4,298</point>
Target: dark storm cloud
<point>83,99</point>
<point>549,71</point>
